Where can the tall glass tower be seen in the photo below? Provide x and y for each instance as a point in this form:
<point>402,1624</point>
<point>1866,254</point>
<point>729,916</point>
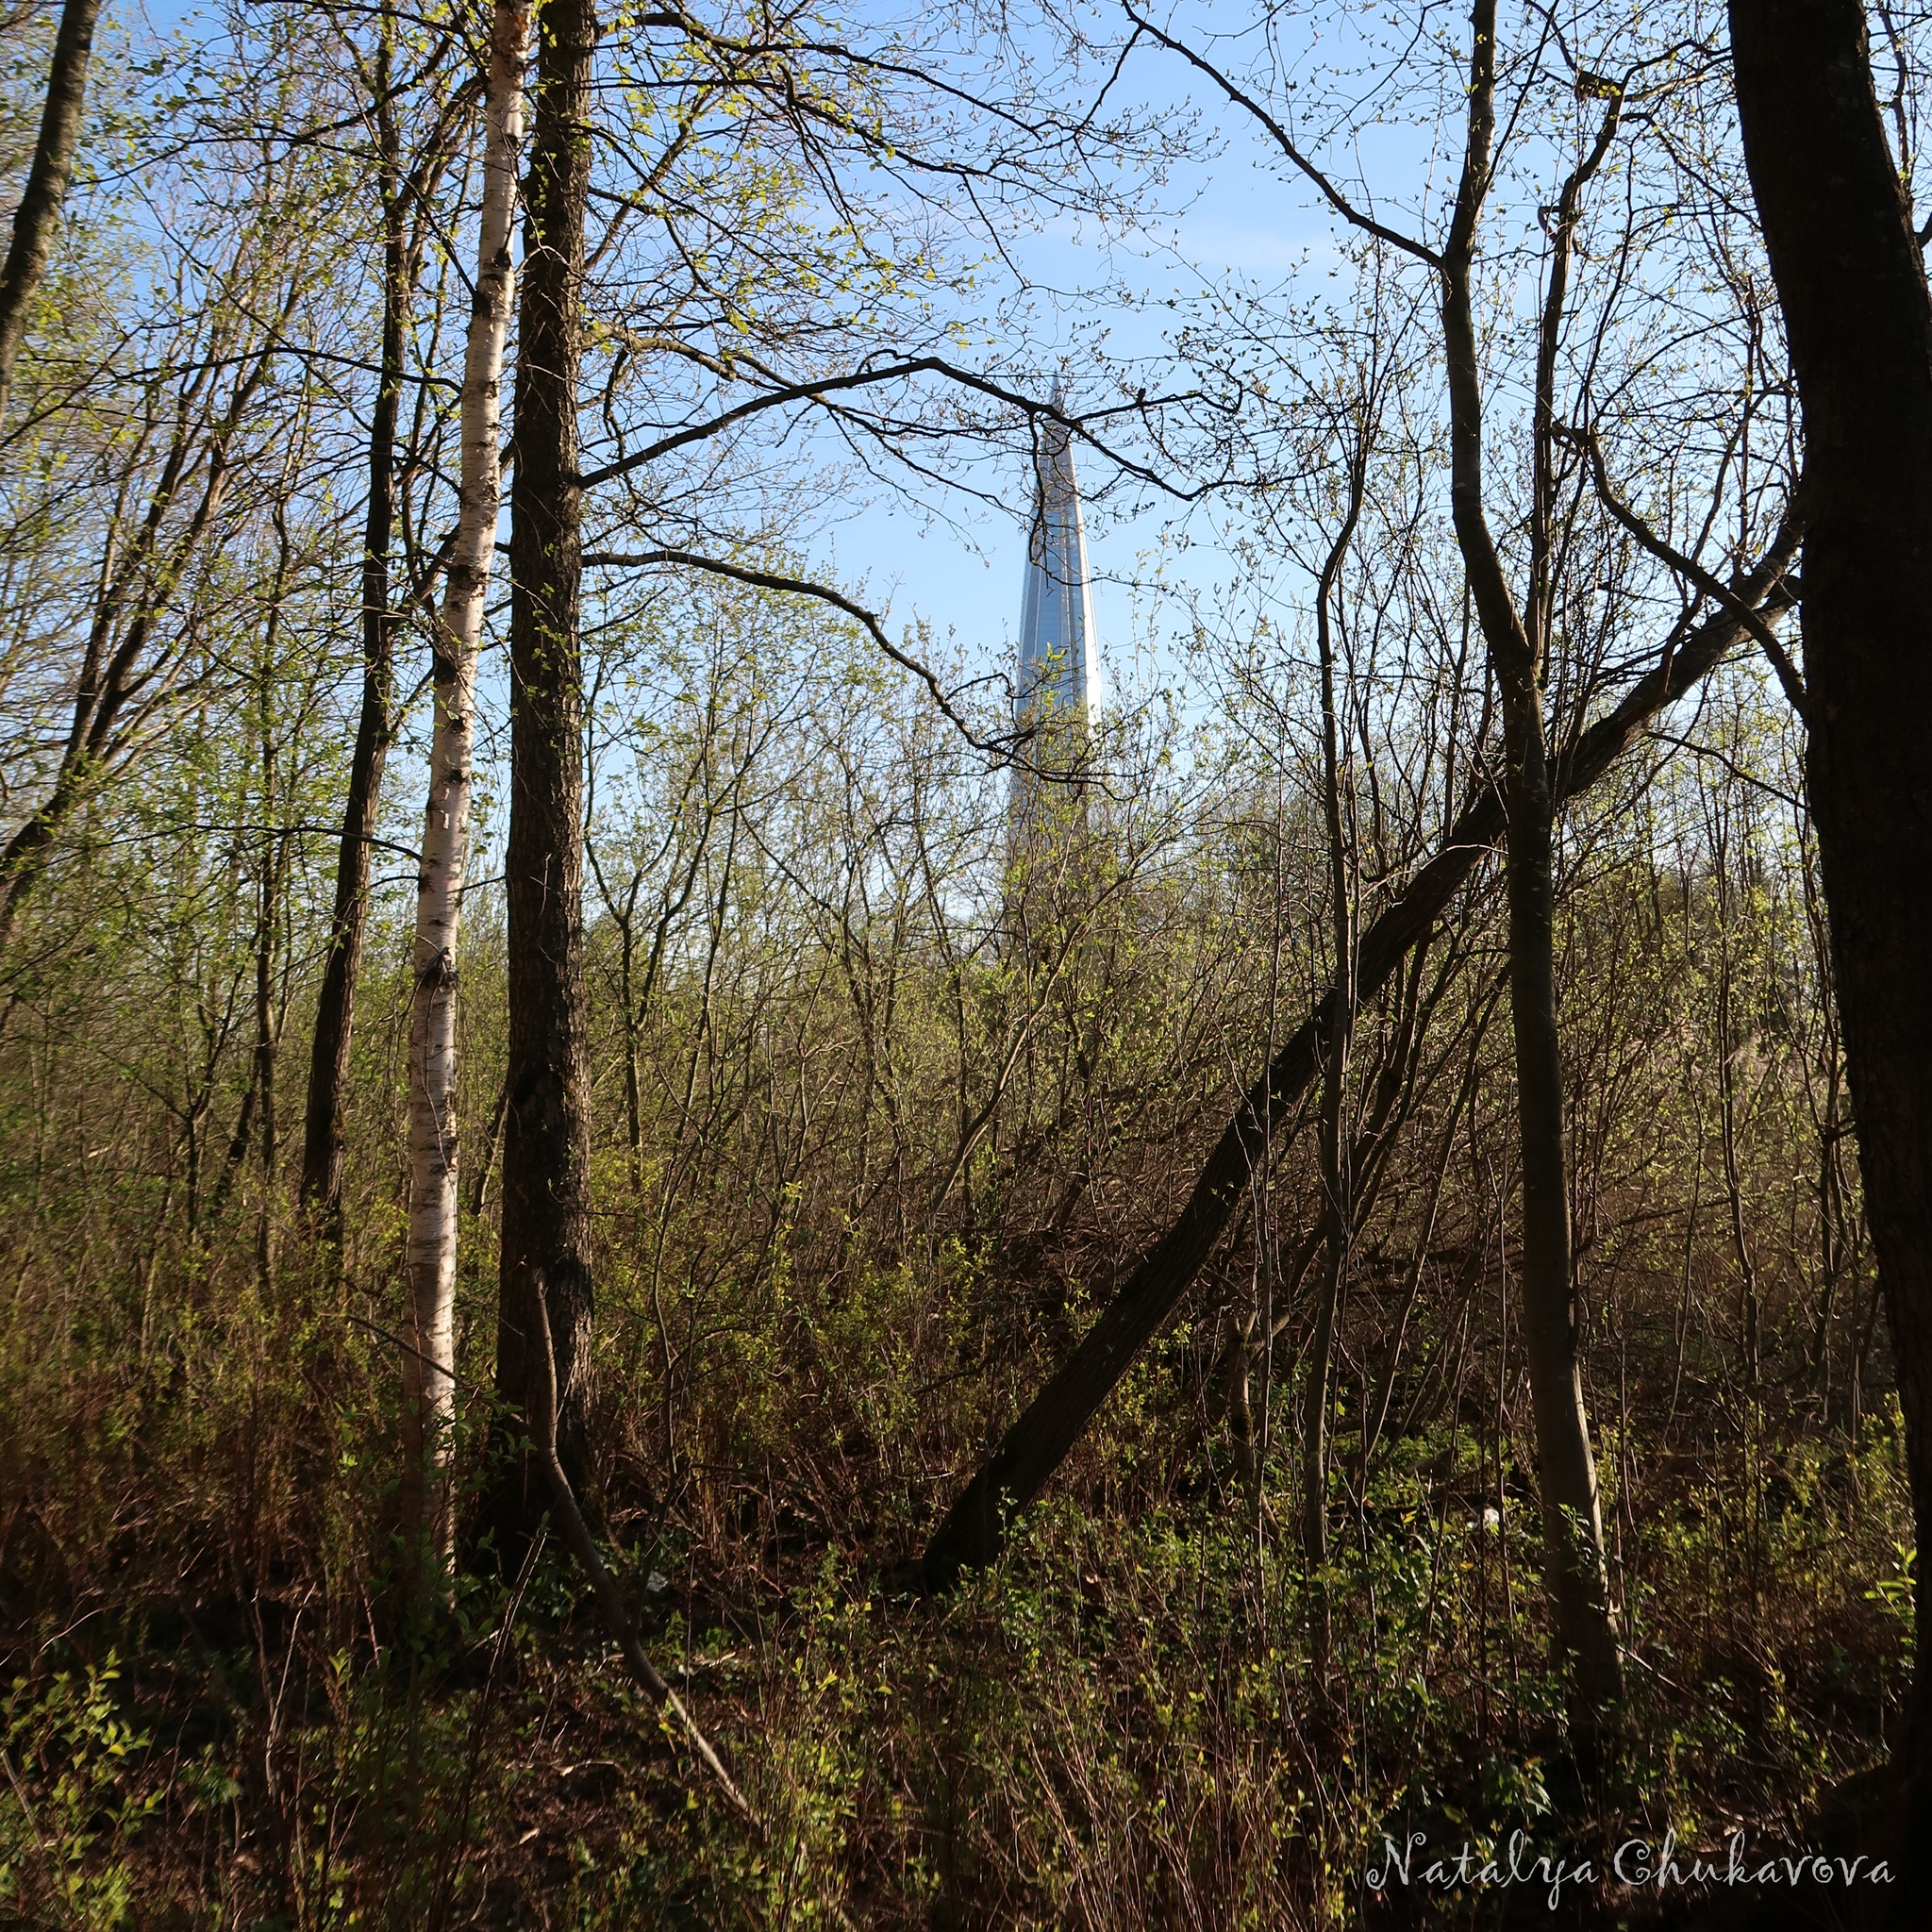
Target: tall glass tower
<point>1059,658</point>
<point>1057,694</point>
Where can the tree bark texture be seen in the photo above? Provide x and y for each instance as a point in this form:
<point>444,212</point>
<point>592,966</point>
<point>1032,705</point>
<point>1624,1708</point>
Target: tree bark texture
<point>429,1388</point>
<point>35,219</point>
<point>974,1528</point>
<point>342,966</point>
<point>1859,319</point>
<point>547,1219</point>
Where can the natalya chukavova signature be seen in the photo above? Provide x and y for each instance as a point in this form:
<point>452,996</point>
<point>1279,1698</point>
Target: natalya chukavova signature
<point>1635,1863</point>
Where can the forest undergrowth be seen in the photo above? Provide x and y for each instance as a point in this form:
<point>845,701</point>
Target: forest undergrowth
<point>1149,1712</point>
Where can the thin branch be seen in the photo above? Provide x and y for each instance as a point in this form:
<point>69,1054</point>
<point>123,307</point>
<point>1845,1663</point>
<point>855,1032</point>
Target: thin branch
<point>771,580</point>
<point>1694,573</point>
<point>819,389</point>
<point>1334,197</point>
<point>609,1600</point>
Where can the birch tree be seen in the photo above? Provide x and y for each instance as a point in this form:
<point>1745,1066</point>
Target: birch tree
<point>428,1367</point>
<point>411,213</point>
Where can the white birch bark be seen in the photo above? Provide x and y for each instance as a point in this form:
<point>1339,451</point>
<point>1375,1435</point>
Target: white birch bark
<point>429,1388</point>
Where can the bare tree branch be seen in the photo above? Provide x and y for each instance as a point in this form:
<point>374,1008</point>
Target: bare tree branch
<point>771,580</point>
<point>1688,568</point>
<point>1285,142</point>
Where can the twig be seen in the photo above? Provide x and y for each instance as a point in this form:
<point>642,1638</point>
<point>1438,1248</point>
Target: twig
<point>1752,621</point>
<point>610,1601</point>
<point>459,1819</point>
<point>1001,747</point>
<point>1328,190</point>
<point>604,1586</point>
<point>396,1341</point>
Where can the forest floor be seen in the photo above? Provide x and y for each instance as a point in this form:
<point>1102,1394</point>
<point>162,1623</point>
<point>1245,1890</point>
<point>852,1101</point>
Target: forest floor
<point>214,1717</point>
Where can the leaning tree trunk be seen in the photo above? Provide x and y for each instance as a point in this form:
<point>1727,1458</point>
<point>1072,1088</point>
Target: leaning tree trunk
<point>46,182</point>
<point>429,1388</point>
<point>1573,1561</point>
<point>1858,318</point>
<point>547,1219</point>
<point>974,1528</point>
<point>341,960</point>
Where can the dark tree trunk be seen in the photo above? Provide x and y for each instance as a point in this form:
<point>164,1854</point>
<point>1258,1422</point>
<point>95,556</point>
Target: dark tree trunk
<point>328,1055</point>
<point>1573,1564</point>
<point>1858,317</point>
<point>974,1528</point>
<point>1337,1167</point>
<point>547,1219</point>
<point>46,182</point>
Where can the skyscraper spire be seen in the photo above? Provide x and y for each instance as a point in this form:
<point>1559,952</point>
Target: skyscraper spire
<point>1058,685</point>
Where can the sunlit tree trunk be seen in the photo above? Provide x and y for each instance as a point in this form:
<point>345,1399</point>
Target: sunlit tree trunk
<point>429,1406</point>
<point>46,183</point>
<point>546,1259</point>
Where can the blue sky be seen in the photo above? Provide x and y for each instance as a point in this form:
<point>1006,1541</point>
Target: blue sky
<point>1222,214</point>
